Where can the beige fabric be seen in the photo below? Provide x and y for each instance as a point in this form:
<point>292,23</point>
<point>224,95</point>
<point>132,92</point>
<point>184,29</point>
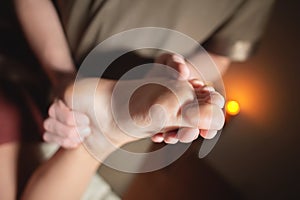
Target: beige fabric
<point>238,37</point>
<point>89,22</point>
<point>232,27</point>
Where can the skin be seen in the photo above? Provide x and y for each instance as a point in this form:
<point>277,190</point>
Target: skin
<point>44,182</point>
<point>141,103</point>
<point>45,35</point>
<point>65,132</point>
<point>44,32</point>
<point>8,170</point>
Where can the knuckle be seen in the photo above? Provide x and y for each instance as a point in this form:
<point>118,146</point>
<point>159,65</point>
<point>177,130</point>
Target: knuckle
<point>71,132</point>
<point>68,132</point>
<point>69,118</point>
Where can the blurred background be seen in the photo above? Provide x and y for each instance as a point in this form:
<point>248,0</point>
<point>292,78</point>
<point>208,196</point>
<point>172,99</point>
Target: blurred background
<point>259,151</point>
<point>257,155</point>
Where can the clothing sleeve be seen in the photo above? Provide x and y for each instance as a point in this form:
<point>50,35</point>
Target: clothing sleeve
<point>238,37</point>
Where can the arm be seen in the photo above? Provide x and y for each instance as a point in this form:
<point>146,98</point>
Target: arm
<point>8,170</point>
<point>43,30</point>
<point>67,173</point>
<point>65,176</point>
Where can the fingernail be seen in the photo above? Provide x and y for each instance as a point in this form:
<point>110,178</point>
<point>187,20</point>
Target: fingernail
<point>83,132</point>
<point>81,119</point>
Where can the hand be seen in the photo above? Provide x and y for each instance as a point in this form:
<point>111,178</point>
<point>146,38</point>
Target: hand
<point>61,126</point>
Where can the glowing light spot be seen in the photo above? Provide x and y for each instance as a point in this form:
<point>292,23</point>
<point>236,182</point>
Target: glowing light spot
<point>232,107</point>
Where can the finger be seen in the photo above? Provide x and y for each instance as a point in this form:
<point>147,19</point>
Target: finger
<point>51,111</point>
<point>62,140</point>
<point>170,137</point>
<point>203,116</point>
<point>187,135</point>
<point>52,138</point>
<point>177,62</point>
<point>54,126</point>
<point>208,134</point>
<point>63,114</point>
<point>158,138</point>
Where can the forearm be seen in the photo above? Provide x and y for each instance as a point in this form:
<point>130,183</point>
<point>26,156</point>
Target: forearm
<point>43,30</point>
<point>8,170</point>
<point>64,176</point>
<point>67,174</point>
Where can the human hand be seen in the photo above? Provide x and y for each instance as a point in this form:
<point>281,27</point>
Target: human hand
<point>65,127</point>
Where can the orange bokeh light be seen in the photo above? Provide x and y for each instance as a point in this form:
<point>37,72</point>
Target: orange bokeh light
<point>232,107</point>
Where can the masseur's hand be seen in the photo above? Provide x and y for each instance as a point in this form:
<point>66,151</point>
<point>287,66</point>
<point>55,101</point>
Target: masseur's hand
<point>65,127</point>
